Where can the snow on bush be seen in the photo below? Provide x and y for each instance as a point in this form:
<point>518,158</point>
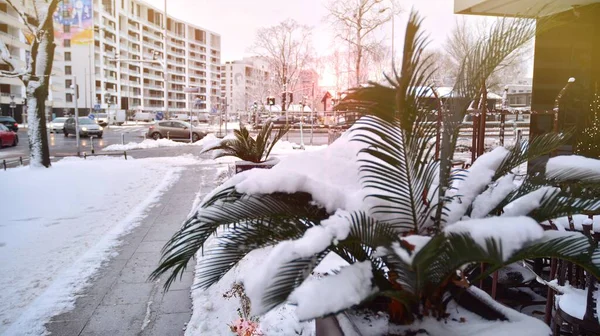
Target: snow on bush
<point>574,167</point>
<point>349,287</point>
<point>478,177</point>
<point>314,240</point>
<point>511,232</point>
<point>330,175</point>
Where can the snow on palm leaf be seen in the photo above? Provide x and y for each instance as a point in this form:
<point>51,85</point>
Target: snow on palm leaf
<point>372,198</point>
<point>39,27</point>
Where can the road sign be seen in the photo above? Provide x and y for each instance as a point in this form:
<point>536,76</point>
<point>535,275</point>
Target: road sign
<point>159,115</point>
<point>91,116</point>
<point>97,107</point>
<point>13,104</point>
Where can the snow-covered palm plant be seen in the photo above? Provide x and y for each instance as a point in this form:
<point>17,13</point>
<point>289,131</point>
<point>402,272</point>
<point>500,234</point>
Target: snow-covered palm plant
<point>408,226</point>
<point>245,147</point>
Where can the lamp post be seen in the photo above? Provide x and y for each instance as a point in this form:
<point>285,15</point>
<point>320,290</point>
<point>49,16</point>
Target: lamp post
<point>12,105</point>
<point>391,9</point>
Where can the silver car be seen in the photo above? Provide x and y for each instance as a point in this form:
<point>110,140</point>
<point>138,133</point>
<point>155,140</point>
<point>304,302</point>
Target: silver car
<point>174,129</point>
<point>87,127</point>
<point>57,125</point>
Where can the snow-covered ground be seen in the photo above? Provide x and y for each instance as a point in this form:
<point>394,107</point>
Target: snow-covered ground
<point>151,143</point>
<point>59,224</point>
<point>281,147</point>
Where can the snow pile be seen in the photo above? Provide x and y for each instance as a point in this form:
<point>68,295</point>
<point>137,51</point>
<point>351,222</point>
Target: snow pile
<point>51,248</point>
<point>573,167</point>
<point>573,301</point>
<point>349,287</point>
<point>146,144</point>
<point>315,240</point>
<point>512,233</point>
<point>151,143</point>
<point>477,178</point>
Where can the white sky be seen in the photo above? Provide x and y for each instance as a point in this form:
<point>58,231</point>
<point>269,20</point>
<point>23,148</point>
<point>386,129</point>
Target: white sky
<point>238,20</point>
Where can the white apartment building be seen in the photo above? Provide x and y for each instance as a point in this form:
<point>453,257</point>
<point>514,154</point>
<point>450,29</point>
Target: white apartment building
<point>91,33</point>
<point>12,89</point>
<point>243,82</point>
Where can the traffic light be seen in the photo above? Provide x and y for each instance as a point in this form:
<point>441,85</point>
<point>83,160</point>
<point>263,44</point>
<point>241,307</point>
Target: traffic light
<point>291,97</point>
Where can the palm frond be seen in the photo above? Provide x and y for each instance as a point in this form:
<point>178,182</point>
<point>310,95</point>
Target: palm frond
<point>459,249</point>
<point>235,243</point>
<point>232,208</point>
<point>530,150</point>
<point>289,277</point>
<point>400,175</point>
<point>506,35</point>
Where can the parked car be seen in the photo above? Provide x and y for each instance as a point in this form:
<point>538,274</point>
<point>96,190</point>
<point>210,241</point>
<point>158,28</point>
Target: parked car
<point>8,137</point>
<point>87,127</point>
<point>174,129</point>
<point>9,122</point>
<point>57,125</point>
<point>101,118</point>
<point>144,116</point>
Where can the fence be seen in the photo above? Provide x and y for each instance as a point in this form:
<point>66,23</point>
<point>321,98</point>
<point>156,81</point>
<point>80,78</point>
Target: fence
<point>24,160</point>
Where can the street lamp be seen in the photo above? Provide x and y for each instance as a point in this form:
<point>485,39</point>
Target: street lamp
<point>12,105</point>
<point>391,9</point>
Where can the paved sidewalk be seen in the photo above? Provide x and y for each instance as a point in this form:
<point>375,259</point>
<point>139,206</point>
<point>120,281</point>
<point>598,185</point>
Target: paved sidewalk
<point>120,300</point>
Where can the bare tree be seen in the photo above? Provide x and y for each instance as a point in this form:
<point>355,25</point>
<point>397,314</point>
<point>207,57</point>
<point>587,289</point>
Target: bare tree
<point>288,49</point>
<point>356,22</point>
<point>35,75</point>
<point>462,41</point>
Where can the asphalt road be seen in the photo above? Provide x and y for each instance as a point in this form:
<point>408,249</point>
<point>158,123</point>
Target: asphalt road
<point>65,146</point>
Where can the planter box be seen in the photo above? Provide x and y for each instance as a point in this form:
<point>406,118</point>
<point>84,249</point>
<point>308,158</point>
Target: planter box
<point>241,166</point>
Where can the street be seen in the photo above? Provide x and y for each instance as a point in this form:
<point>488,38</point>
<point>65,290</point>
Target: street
<point>64,146</point>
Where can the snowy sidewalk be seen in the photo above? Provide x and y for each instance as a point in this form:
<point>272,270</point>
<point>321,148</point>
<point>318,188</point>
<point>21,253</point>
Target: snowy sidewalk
<point>121,301</point>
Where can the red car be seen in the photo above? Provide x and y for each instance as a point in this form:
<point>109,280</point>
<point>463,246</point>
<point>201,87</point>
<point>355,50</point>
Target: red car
<point>8,137</point>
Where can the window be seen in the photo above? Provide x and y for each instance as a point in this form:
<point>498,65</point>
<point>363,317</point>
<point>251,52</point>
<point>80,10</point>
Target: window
<point>68,70</point>
<point>69,98</point>
<point>66,43</point>
<point>68,83</point>
<point>67,28</point>
<point>67,55</point>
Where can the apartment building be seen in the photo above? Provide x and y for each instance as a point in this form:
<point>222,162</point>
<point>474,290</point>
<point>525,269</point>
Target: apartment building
<point>243,82</point>
<point>12,89</point>
<point>90,34</point>
<point>519,95</point>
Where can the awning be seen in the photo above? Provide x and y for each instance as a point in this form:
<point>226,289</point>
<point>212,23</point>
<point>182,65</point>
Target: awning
<point>521,8</point>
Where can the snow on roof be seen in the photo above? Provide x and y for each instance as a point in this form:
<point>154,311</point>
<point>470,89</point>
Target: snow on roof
<point>446,91</point>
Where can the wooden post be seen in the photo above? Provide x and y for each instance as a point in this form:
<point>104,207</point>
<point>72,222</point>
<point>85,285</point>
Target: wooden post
<point>483,104</point>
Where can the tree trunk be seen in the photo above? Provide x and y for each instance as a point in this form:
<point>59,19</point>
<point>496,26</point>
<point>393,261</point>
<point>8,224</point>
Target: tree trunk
<point>42,56</point>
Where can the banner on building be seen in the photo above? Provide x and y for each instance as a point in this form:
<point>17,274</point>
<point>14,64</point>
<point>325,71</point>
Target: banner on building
<point>73,21</point>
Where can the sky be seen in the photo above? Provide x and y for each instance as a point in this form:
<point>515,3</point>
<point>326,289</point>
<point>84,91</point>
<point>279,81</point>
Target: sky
<point>238,20</point>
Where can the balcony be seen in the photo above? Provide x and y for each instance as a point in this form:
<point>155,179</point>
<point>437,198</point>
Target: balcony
<point>11,20</point>
<point>12,40</point>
